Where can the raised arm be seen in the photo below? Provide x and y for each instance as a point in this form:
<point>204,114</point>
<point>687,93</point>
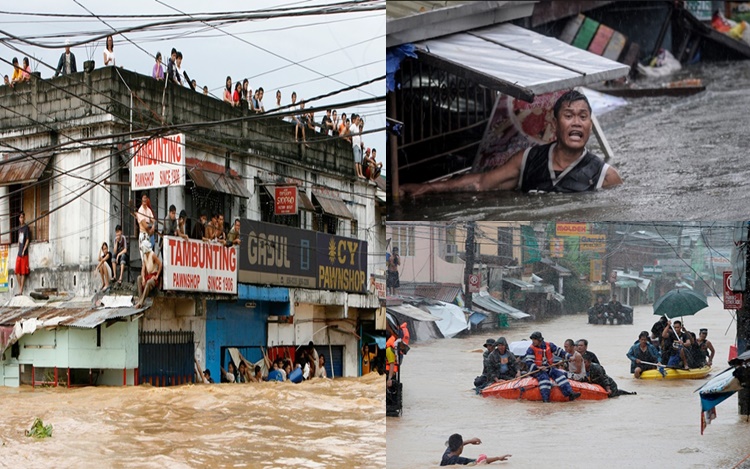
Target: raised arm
<point>503,177</point>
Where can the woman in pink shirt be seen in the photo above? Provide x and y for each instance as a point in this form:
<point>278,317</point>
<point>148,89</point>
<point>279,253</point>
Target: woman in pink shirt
<point>26,70</point>
<point>228,91</point>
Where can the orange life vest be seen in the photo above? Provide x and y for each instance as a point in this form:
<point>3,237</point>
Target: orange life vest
<point>539,354</point>
<point>391,344</point>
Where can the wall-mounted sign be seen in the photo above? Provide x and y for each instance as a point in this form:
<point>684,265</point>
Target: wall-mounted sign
<point>285,200</point>
<point>158,162</point>
<point>198,266</point>
<point>278,255</point>
<point>570,229</point>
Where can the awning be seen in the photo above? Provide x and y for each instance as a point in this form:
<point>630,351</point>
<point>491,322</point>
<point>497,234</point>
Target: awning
<point>485,301</point>
<point>626,283</point>
<point>412,312</point>
<point>562,271</point>
<point>529,287</point>
<point>380,341</point>
<point>23,170</point>
<point>441,292</point>
<point>332,206</point>
<point>518,62</point>
<point>212,176</point>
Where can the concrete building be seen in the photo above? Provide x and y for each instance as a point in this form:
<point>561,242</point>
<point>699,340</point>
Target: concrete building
<point>80,150</point>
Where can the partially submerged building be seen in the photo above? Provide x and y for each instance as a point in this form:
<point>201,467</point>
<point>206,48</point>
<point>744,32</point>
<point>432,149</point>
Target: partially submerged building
<point>79,151</point>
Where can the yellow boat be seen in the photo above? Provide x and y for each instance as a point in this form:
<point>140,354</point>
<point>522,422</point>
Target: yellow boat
<point>674,373</point>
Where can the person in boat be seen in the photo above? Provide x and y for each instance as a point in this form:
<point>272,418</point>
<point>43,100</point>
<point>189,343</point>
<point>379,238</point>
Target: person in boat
<point>481,381</point>
<point>706,346</point>
<point>576,370</point>
<point>540,359</point>
<point>456,443</point>
<point>643,351</point>
<point>656,331</point>
<point>597,375</point>
<point>502,363</point>
<point>564,165</point>
<point>696,358</point>
<point>583,348</point>
<point>674,346</point>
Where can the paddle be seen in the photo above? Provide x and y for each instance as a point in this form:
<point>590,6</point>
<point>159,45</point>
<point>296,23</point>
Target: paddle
<point>659,367</point>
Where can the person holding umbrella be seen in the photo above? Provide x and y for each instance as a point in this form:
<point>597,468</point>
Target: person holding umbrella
<point>675,342</point>
<point>564,165</point>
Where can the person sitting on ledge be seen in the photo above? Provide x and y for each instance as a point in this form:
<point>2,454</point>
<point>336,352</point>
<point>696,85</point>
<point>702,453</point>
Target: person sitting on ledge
<point>564,165</point>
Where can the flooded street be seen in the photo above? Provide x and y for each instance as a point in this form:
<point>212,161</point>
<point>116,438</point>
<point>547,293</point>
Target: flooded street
<point>658,427</point>
<point>682,158</point>
<point>316,424</point>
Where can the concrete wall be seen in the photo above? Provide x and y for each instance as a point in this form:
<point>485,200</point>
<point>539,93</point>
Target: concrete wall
<point>76,348</point>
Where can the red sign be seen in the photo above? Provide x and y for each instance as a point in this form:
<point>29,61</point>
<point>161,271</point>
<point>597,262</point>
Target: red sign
<point>474,283</point>
<point>731,300</point>
<point>285,200</point>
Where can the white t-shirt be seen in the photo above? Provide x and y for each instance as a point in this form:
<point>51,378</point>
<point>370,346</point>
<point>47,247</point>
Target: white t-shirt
<point>109,56</point>
<point>356,139</point>
<point>144,213</point>
<point>293,108</point>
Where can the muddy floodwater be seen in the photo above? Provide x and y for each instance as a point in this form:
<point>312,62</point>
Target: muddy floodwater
<point>682,158</point>
<point>657,428</point>
<point>316,424</point>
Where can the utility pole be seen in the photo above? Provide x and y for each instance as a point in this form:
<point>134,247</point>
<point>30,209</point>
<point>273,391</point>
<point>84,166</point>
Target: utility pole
<point>469,267</point>
<point>743,328</point>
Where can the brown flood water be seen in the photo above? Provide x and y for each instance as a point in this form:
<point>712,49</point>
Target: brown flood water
<point>316,424</point>
<point>657,428</point>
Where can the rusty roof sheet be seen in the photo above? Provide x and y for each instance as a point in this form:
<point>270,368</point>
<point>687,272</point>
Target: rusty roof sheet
<point>86,317</point>
<point>23,170</point>
<point>441,292</point>
<point>218,182</point>
<point>331,206</point>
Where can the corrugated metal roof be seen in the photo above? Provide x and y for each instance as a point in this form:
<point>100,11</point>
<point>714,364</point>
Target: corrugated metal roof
<point>331,206</point>
<point>529,287</point>
<point>218,182</point>
<point>442,292</point>
<point>86,317</point>
<point>485,301</point>
<point>23,170</point>
<point>412,312</point>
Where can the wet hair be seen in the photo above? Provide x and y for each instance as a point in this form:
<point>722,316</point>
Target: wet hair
<point>677,322</point>
<point>643,334</point>
<point>569,97</point>
<point>207,372</point>
<point>569,342</point>
<point>585,342</point>
<point>257,368</point>
<point>455,442</point>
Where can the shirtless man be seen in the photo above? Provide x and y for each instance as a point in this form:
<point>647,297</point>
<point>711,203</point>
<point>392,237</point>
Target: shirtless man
<point>576,369</point>
<point>561,166</point>
<point>150,272</point>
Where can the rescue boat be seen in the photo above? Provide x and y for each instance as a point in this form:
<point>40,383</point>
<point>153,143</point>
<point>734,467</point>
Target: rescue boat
<point>675,373</point>
<point>528,388</point>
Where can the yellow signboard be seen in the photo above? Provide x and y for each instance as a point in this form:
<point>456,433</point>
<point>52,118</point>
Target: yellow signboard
<point>4,268</point>
<point>557,247</point>
<point>595,274</point>
<point>595,243</point>
<point>570,229</point>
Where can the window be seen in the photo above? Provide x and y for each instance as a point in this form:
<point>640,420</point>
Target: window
<point>325,223</point>
<point>354,227</point>
<point>505,242</point>
<point>199,200</point>
<point>34,201</point>
<point>403,239</point>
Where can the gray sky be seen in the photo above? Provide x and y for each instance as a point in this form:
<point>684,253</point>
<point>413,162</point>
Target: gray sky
<point>210,55</point>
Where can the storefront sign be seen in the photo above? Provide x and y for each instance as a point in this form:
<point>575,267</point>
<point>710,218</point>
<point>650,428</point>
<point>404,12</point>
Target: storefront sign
<point>570,229</point>
<point>285,200</point>
<point>731,300</point>
<point>557,247</point>
<point>277,255</point>
<point>4,268</point>
<point>198,266</point>
<point>342,263</point>
<point>593,243</point>
<point>158,162</point>
<point>378,285</point>
<point>595,271</point>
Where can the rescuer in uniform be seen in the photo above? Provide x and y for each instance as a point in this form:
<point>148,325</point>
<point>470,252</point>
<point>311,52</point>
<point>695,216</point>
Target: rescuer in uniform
<point>564,165</point>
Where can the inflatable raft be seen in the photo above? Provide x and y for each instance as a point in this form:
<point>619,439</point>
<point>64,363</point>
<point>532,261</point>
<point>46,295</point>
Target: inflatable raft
<point>528,388</point>
<point>674,373</point>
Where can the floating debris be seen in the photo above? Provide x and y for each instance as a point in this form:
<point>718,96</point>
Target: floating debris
<point>39,430</point>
